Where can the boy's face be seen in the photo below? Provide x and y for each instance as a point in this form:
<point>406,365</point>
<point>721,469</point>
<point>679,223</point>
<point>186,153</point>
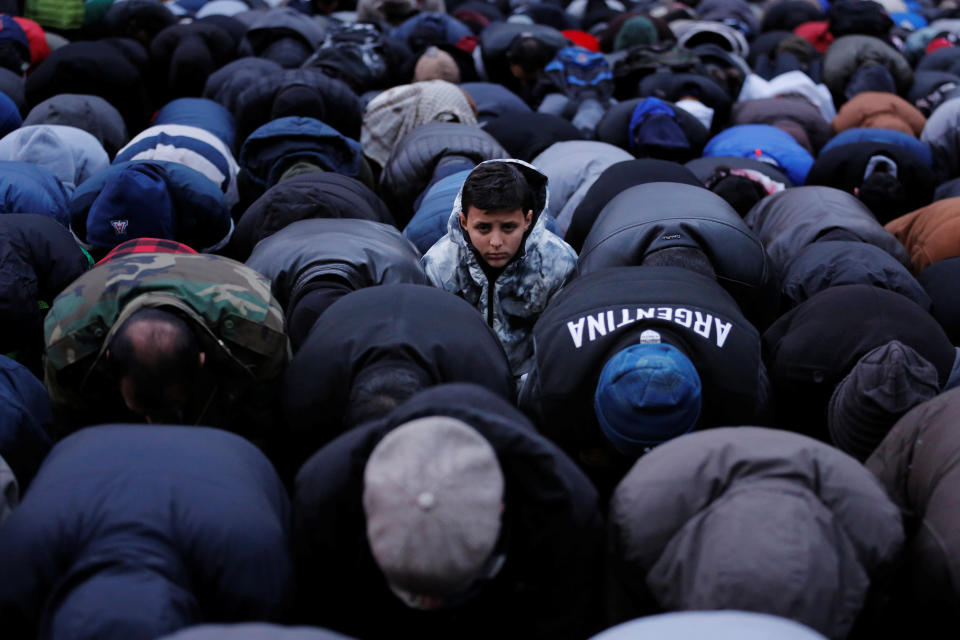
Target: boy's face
<point>496,234</point>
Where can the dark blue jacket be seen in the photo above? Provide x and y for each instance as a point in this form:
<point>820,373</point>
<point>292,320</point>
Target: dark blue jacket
<point>154,199</point>
<point>24,418</point>
<point>826,264</point>
<point>428,28</point>
<point>28,188</point>
<point>131,532</point>
<point>226,84</point>
<point>494,100</point>
<point>199,112</point>
<point>429,223</point>
<point>887,136</point>
<point>309,195</point>
<point>272,148</point>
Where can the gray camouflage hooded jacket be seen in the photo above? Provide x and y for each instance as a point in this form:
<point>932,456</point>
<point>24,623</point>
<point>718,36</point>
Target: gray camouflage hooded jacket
<point>522,290</point>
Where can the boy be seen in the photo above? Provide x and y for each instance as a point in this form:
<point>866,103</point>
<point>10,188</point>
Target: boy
<point>498,254</point>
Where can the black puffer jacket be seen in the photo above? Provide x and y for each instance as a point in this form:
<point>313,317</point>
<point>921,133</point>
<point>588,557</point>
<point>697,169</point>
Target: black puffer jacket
<point>527,135</point>
<point>427,328</point>
<point>356,253</point>
<point>298,92</point>
<point>810,349</point>
<point>550,513</point>
<point>822,265</point>
<point>844,166</point>
<point>184,55</point>
<point>362,252</point>
<point>651,217</point>
<point>226,84</point>
<point>141,20</point>
<point>416,156</point>
<point>848,54</point>
<point>614,180</point>
<point>40,258</point>
<point>283,35</point>
<point>788,221</point>
<point>309,195</point>
<point>94,68</point>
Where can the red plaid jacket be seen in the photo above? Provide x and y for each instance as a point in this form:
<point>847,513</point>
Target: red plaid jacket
<point>146,245</point>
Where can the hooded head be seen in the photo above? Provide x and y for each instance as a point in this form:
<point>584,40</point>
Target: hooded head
<point>722,559</point>
<point>883,385</point>
<point>498,208</point>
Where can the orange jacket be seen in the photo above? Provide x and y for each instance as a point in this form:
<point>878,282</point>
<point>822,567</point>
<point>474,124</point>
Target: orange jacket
<point>929,234</point>
<point>879,110</point>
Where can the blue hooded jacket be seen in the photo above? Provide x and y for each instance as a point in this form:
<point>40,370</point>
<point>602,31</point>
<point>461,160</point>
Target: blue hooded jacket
<point>28,188</point>
<point>24,416</point>
<point>269,150</point>
<point>9,115</point>
<point>765,143</point>
<point>429,223</point>
<point>199,112</point>
<point>428,28</point>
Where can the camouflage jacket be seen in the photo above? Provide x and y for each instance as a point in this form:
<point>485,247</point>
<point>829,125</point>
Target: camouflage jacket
<point>239,323</point>
<point>522,290</point>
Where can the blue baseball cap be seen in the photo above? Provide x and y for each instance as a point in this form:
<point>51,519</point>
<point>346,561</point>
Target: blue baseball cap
<point>646,395</point>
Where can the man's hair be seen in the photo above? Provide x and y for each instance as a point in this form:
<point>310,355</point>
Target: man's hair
<point>740,192</point>
<point>690,258</point>
<point>529,53</point>
<point>172,359</point>
<point>377,391</point>
<point>495,186</point>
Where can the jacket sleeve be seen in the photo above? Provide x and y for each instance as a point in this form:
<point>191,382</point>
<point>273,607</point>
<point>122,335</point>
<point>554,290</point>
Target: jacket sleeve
<point>914,118</point>
<point>567,602</point>
<point>330,545</point>
<point>529,397</point>
<point>440,262</point>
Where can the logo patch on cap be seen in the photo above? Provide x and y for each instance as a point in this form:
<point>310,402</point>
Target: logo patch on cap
<point>120,226</point>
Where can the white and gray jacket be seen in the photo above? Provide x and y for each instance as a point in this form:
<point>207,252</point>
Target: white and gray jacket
<point>512,303</point>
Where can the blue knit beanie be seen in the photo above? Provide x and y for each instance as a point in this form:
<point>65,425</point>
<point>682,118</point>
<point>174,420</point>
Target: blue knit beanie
<point>646,395</point>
